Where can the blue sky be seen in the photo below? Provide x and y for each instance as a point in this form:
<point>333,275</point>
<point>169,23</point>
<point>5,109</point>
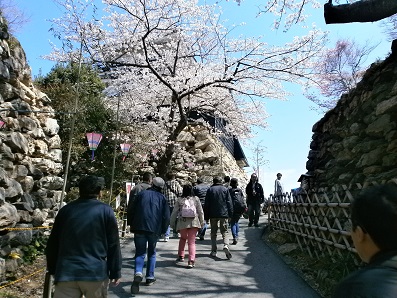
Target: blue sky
<point>288,136</point>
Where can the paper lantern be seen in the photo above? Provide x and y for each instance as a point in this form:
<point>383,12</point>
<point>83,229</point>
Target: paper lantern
<point>125,148</point>
<point>93,141</point>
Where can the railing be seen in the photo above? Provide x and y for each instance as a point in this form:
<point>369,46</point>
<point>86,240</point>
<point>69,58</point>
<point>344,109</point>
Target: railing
<point>318,220</point>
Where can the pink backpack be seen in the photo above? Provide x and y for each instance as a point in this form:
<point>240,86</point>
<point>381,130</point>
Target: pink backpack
<point>188,209</point>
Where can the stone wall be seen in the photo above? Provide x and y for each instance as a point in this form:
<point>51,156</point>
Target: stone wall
<point>203,155</point>
<point>30,154</point>
<point>200,154</point>
<point>356,142</point>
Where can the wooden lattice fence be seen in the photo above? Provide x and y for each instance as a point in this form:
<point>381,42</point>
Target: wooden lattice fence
<point>318,220</point>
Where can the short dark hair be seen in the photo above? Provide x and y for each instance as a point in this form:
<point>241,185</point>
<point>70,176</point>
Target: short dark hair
<point>217,180</point>
<point>226,179</point>
<point>147,177</point>
<point>375,211</point>
<point>91,185</point>
<point>233,182</point>
<point>187,190</point>
<point>200,180</point>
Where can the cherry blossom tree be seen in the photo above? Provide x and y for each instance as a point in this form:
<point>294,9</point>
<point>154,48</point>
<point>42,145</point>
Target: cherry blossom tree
<point>164,59</point>
<point>15,17</point>
<point>339,70</point>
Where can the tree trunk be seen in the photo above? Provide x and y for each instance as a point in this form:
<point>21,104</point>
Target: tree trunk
<point>163,165</point>
<point>361,11</point>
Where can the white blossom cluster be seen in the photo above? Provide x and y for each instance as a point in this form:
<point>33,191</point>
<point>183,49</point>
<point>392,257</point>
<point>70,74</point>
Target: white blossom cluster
<point>164,59</point>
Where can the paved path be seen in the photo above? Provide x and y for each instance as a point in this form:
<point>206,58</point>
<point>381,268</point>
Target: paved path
<point>254,271</point>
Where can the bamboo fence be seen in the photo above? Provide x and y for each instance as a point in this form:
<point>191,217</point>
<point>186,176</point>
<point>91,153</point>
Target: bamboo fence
<point>319,220</point>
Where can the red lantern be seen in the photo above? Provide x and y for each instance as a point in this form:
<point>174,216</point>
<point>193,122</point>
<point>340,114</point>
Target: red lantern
<point>93,141</point>
<point>125,148</point>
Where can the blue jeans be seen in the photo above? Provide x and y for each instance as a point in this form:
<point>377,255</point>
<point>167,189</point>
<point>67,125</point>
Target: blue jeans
<point>201,232</point>
<point>234,225</point>
<point>141,241</point>
<point>167,233</point>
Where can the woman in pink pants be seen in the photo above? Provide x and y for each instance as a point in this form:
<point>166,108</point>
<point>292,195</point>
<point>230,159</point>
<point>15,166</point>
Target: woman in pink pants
<point>187,217</point>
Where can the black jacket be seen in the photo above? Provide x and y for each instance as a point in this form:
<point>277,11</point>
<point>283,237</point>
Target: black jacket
<point>254,193</point>
<point>218,203</point>
<point>239,204</point>
<point>84,243</point>
<point>200,191</point>
<point>149,213</point>
<point>133,193</point>
<point>377,280</point>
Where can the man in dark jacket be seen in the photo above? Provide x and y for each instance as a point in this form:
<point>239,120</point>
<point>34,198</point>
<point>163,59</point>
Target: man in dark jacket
<point>218,208</point>
<point>255,198</point>
<point>145,184</point>
<point>149,218</point>
<point>374,230</point>
<point>83,250</point>
<point>200,191</point>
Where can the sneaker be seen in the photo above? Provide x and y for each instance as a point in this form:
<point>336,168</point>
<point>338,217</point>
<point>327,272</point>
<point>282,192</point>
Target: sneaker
<point>150,281</point>
<point>201,238</point>
<point>166,238</point>
<point>213,254</point>
<point>227,252</point>
<point>250,224</point>
<point>180,259</point>
<point>234,241</point>
<point>135,283</point>
<point>190,264</point>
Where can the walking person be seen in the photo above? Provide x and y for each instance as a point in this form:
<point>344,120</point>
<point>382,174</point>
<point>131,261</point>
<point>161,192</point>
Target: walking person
<point>200,190</point>
<point>278,189</point>
<point>83,250</point>
<point>239,207</point>
<point>145,184</point>
<point>218,209</point>
<point>149,217</point>
<point>226,181</point>
<point>172,191</point>
<point>374,218</point>
<point>255,198</point>
<point>186,218</point>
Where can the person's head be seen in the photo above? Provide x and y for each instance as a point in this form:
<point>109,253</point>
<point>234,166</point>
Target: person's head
<point>171,176</point>
<point>200,180</point>
<point>147,177</point>
<point>217,180</point>
<point>254,177</point>
<point>90,186</point>
<point>374,220</point>
<point>158,183</point>
<point>226,179</point>
<point>187,190</point>
<point>233,182</point>
<point>279,175</point>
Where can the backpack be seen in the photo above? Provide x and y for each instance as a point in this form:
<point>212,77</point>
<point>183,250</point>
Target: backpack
<point>188,209</point>
<point>238,200</point>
